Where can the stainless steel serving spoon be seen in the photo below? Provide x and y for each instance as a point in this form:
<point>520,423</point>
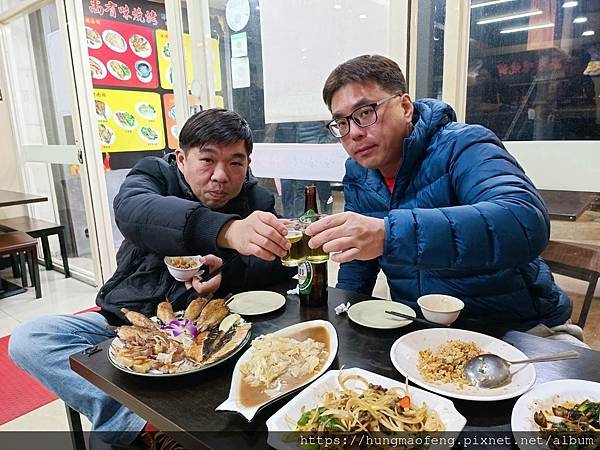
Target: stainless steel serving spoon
<point>489,371</point>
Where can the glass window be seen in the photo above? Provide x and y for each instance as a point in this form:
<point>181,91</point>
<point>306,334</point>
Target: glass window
<point>274,66</point>
<point>42,105</point>
<point>430,49</point>
<point>534,69</point>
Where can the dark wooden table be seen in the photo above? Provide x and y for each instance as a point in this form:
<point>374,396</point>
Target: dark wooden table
<point>10,198</point>
<point>185,406</point>
<point>568,205</point>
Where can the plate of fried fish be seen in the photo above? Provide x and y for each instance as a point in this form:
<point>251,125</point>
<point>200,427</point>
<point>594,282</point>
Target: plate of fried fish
<point>178,343</point>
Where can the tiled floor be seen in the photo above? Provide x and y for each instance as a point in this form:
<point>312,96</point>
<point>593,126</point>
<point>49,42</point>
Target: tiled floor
<point>60,296</point>
<point>68,295</point>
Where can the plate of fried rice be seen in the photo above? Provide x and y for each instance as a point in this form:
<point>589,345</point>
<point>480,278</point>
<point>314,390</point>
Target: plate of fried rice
<point>434,359</point>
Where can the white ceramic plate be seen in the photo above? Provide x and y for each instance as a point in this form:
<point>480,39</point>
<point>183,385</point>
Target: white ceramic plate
<point>106,133</point>
<point>253,303</point>
<point>543,397</point>
<point>113,65</point>
<point>144,50</point>
<point>92,38</point>
<point>312,397</point>
<point>405,356</point>
<point>191,366</point>
<point>146,110</point>
<point>151,139</point>
<point>371,313</point>
<point>114,41</point>
<point>100,72</point>
<point>234,403</point>
<point>117,118</point>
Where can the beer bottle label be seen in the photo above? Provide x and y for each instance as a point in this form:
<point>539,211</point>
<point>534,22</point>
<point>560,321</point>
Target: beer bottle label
<point>305,277</point>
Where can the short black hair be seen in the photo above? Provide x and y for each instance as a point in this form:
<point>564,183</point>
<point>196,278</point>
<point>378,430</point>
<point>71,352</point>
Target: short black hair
<point>376,68</point>
<point>215,126</point>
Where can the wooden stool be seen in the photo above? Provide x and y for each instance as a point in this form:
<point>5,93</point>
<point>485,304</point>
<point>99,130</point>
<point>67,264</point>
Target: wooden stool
<point>21,243</point>
<point>40,229</point>
<point>579,261</point>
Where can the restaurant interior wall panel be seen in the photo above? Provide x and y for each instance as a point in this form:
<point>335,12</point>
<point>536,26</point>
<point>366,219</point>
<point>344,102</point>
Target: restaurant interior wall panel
<point>561,165</point>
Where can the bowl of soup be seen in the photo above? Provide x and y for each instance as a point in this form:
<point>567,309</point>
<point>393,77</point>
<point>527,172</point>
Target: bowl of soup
<point>440,308</point>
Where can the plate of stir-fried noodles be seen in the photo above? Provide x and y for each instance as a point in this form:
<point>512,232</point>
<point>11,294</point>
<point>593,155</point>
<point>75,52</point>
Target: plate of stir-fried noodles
<point>355,401</point>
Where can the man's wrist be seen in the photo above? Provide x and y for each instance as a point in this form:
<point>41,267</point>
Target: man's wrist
<point>224,237</point>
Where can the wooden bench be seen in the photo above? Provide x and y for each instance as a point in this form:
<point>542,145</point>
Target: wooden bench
<point>40,229</point>
<point>579,261</point>
<point>24,245</point>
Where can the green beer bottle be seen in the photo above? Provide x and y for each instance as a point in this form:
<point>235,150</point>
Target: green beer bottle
<point>312,276</point>
<point>310,200</point>
<point>312,283</point>
<point>311,213</point>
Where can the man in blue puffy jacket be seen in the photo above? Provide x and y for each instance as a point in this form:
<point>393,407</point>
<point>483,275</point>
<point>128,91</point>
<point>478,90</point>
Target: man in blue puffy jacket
<point>439,206</point>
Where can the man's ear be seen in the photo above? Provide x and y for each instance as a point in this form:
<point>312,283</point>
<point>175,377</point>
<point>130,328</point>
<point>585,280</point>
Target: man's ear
<point>180,158</point>
<point>407,105</point>
<point>249,160</point>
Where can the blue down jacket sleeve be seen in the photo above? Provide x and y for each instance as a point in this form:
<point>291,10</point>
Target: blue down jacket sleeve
<point>357,276</point>
<point>499,222</point>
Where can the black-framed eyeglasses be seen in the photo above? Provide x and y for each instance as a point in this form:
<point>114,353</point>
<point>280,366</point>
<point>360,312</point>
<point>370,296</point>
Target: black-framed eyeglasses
<point>363,116</point>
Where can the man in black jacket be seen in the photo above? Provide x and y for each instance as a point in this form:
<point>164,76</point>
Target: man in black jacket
<point>201,200</point>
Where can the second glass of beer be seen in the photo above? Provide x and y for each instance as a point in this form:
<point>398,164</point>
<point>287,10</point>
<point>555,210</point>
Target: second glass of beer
<point>315,255</point>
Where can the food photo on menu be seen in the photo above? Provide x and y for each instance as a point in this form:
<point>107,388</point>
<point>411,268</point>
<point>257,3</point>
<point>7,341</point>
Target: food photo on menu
<point>129,120</point>
<point>121,54</point>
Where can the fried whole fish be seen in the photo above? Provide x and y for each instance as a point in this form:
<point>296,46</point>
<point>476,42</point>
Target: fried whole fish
<point>197,350</point>
<point>165,313</point>
<point>194,309</point>
<point>229,345</point>
<point>210,346</point>
<point>134,334</point>
<point>212,314</point>
<point>138,319</point>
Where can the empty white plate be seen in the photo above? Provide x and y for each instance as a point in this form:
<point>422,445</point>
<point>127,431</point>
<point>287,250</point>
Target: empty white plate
<point>253,303</point>
<point>372,314</point>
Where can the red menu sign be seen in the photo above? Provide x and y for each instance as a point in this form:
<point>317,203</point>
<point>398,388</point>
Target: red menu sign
<point>121,54</point>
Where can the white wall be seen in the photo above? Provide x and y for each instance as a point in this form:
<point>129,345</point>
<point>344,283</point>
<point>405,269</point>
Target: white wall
<point>562,165</point>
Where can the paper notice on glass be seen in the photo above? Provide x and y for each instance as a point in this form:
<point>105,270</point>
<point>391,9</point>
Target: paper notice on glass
<point>239,45</point>
<point>240,72</point>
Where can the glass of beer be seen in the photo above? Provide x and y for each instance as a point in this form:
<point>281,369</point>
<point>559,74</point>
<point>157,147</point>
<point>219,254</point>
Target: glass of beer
<point>295,254</point>
<point>314,255</point>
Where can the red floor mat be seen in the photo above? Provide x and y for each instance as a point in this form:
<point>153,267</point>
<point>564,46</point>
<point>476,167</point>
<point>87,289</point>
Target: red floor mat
<point>19,392</point>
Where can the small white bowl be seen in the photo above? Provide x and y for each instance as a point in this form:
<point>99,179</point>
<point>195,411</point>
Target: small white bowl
<point>183,274</point>
<point>439,308</point>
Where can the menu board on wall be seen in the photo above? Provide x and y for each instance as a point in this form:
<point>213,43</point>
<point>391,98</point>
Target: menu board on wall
<point>130,66</point>
<point>164,59</point>
<point>121,54</point>
<point>129,119</point>
<point>171,120</point>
